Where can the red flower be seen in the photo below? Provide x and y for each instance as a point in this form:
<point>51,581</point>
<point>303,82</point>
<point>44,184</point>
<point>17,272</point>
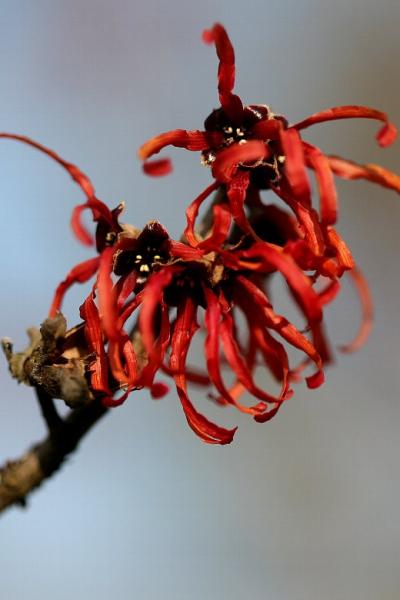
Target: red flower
<point>168,286</point>
<point>249,146</point>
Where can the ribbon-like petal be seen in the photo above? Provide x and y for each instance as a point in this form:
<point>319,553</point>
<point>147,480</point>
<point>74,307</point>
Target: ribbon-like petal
<point>191,140</point>
<point>231,103</point>
<point>185,328</point>
<point>385,136</point>
<point>326,184</point>
<point>79,274</point>
<point>347,169</point>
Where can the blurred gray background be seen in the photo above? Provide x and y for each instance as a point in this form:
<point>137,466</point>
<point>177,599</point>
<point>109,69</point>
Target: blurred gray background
<point>305,507</point>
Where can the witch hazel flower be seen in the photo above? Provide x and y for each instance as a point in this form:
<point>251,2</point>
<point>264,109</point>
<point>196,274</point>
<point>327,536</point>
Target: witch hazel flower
<point>168,290</point>
<point>169,287</point>
<point>250,147</point>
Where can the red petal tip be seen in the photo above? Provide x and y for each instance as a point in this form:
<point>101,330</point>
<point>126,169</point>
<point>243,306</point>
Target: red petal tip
<point>387,135</point>
<point>110,402</point>
<point>316,380</point>
<point>207,36</point>
<point>158,168</point>
<point>159,390</point>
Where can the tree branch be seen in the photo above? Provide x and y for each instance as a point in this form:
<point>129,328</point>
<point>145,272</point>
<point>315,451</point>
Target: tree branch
<point>20,477</point>
<point>48,409</point>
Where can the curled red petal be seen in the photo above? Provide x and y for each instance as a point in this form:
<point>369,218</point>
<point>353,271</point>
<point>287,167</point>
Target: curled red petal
<point>367,319</point>
<point>98,208</point>
<point>115,360</point>
<point>268,256</point>
<point>226,55</point>
<point>236,192</point>
<point>315,380</point>
<point>268,414</point>
<point>321,346</point>
<point>78,228</point>
<point>79,274</point>
<point>273,352</point>
<point>343,255</point>
<point>214,328</point>
<point>329,293</point>
<point>326,184</point>
<point>152,297</point>
<point>107,296</point>
<point>229,159</point>
<point>181,250</point>
<point>237,363</point>
<point>193,210</point>
<point>295,166</point>
<point>185,328</point>
<point>123,362</point>
<point>129,355</point>
<point>111,402</point>
<point>155,342</point>
<point>131,306</point>
<point>180,138</point>
<point>237,388</point>
<point>94,336</point>
<point>351,170</point>
<point>158,168</point>
<point>211,344</point>
<point>100,213</point>
<point>156,355</point>
<point>231,103</point>
<point>320,341</point>
<point>77,175</point>
<point>307,217</point>
<point>221,227</point>
<point>385,136</point>
<point>124,288</point>
<point>277,322</point>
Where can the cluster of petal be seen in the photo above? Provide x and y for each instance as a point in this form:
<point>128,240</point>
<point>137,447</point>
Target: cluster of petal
<point>162,289</point>
<point>250,148</point>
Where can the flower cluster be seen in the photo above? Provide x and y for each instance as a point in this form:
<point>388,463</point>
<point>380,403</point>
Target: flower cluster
<point>152,294</point>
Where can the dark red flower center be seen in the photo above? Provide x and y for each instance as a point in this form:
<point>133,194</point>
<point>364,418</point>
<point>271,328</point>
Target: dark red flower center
<point>149,249</point>
<point>263,171</point>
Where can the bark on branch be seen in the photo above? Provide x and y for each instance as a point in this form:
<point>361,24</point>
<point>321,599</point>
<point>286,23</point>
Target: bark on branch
<point>20,477</point>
